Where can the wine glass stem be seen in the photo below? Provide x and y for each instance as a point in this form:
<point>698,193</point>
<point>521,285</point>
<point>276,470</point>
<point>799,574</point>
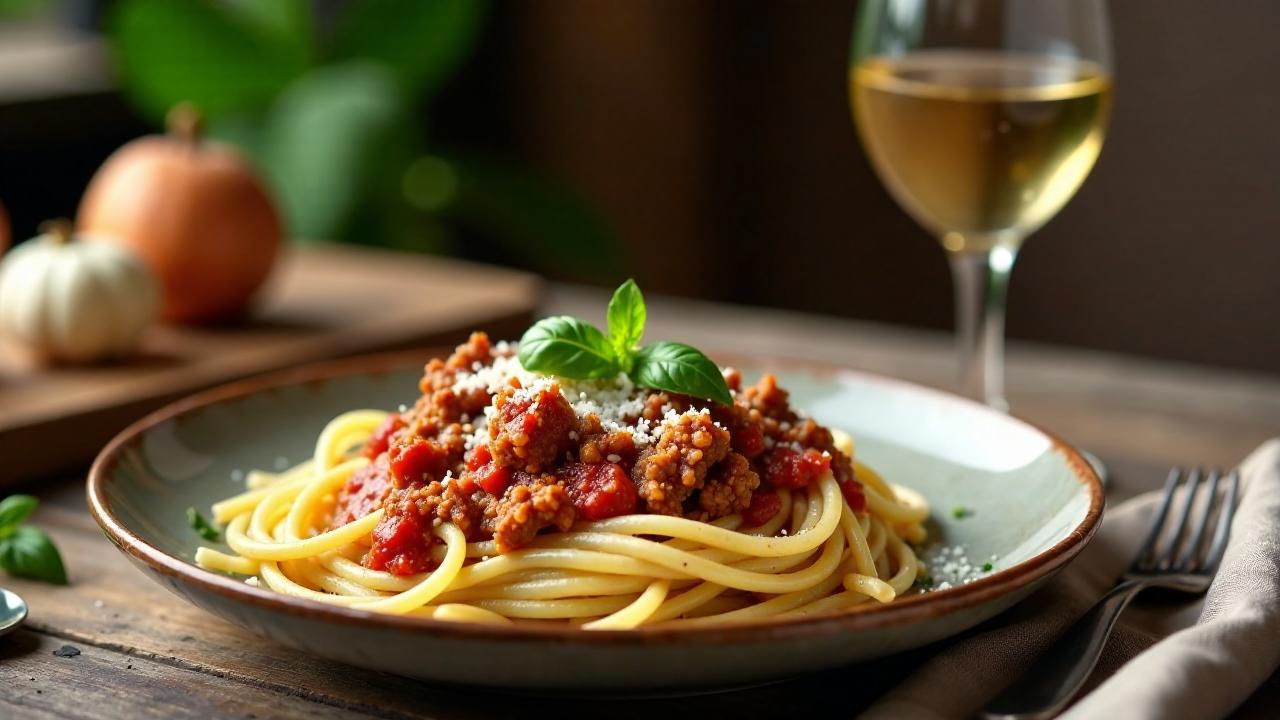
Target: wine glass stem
<point>981,278</point>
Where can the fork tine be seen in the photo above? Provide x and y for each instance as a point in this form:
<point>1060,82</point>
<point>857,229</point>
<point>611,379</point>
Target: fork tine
<point>1225,515</point>
<point>1165,561</point>
<point>1191,552</point>
<point>1157,524</point>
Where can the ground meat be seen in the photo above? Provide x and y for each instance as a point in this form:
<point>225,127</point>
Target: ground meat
<point>439,374</point>
<point>476,349</point>
<point>745,425</point>
<point>415,461</point>
<point>727,490</point>
<point>508,465</point>
<point>402,539</point>
<point>667,472</point>
<point>771,400</point>
<point>383,435</point>
<point>732,378</point>
<point>657,404</point>
<point>598,445</point>
<point>529,505</point>
<point>530,430</point>
<point>808,433</point>
<point>841,466</point>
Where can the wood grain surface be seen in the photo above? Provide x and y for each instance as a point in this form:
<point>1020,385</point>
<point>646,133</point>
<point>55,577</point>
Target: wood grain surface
<point>323,302</point>
<point>145,653</point>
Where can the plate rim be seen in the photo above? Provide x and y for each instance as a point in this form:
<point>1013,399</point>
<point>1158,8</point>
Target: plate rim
<point>912,609</point>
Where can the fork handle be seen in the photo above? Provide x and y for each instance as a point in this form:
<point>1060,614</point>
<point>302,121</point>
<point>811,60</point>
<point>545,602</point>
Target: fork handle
<point>1058,674</point>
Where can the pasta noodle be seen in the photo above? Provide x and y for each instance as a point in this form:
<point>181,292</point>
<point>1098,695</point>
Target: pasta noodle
<point>814,555</point>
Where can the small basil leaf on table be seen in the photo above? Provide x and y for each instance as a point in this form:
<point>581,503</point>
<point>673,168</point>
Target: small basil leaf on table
<point>567,347</point>
<point>676,367</point>
<point>16,508</point>
<point>29,553</point>
<point>626,316</point>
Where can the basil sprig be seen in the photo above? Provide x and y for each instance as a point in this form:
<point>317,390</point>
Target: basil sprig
<point>26,551</point>
<point>568,347</point>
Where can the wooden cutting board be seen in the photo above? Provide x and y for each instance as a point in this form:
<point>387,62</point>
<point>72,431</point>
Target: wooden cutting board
<point>322,302</point>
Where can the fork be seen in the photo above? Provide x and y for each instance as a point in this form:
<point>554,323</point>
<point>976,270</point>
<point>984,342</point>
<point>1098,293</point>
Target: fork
<point>1170,558</point>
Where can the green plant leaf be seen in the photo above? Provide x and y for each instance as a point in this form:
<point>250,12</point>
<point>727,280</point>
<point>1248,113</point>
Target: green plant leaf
<point>289,20</point>
<point>567,347</point>
<point>676,367</point>
<point>201,525</point>
<point>424,41</point>
<point>222,57</point>
<point>29,553</point>
<point>626,316</point>
<point>10,9</point>
<point>535,221</point>
<point>336,140</point>
<point>16,508</point>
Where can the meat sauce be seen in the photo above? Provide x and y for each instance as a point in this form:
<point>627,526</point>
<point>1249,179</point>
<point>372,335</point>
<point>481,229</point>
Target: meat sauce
<point>508,464</point>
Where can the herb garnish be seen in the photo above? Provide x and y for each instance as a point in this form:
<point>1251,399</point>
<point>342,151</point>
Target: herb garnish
<point>571,348</point>
<point>924,583</point>
<point>961,512</point>
<point>202,526</point>
<point>26,551</point>
<point>986,567</point>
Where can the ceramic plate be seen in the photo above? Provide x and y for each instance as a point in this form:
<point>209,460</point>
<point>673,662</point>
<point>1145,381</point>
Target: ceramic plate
<point>1032,504</point>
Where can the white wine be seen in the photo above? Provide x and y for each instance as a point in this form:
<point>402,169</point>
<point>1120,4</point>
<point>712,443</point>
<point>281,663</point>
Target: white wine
<point>980,147</point>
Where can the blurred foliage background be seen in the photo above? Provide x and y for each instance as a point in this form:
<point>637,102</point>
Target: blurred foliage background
<point>334,101</point>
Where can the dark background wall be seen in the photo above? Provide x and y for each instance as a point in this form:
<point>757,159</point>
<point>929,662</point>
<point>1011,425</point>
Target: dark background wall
<point>714,137</point>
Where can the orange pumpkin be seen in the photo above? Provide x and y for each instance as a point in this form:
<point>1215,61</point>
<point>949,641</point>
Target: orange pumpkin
<point>195,212</point>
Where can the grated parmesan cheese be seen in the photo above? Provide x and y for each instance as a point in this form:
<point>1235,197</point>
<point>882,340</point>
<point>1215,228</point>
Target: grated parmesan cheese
<point>617,402</point>
<point>949,566</point>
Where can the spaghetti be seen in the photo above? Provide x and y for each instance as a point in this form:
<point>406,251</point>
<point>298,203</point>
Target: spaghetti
<point>604,555</point>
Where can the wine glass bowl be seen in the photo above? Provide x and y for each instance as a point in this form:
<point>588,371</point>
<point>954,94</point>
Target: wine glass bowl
<point>982,118</point>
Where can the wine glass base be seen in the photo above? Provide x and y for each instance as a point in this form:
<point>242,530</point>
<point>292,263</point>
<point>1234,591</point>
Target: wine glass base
<point>1099,467</point>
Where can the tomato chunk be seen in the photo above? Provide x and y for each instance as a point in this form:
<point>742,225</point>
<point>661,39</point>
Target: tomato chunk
<point>482,470</point>
<point>764,506</point>
<point>401,545</point>
<point>599,490</point>
<point>417,462</point>
<point>853,494</point>
<point>479,457</point>
<point>381,437</point>
<point>494,478</point>
<point>362,494</point>
<point>748,440</point>
<point>785,467</point>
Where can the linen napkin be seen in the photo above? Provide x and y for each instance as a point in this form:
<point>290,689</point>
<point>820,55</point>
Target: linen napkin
<point>1198,662</point>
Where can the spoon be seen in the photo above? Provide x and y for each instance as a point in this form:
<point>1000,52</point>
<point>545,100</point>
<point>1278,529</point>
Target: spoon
<point>13,610</point>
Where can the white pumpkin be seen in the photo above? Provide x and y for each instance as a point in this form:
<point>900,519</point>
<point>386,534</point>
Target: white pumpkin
<point>75,301</point>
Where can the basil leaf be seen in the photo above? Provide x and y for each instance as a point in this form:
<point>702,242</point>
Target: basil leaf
<point>567,347</point>
<point>29,553</point>
<point>202,526</point>
<point>676,367</point>
<point>626,321</point>
<point>15,508</point>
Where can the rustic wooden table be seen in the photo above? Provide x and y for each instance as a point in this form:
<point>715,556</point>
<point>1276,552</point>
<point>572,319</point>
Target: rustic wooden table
<point>145,653</point>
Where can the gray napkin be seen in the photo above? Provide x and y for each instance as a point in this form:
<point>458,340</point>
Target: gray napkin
<point>1198,661</point>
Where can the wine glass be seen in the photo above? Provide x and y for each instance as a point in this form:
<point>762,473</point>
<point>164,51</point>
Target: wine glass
<point>982,118</point>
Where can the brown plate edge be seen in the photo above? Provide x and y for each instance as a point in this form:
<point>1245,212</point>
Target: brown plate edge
<point>902,611</point>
